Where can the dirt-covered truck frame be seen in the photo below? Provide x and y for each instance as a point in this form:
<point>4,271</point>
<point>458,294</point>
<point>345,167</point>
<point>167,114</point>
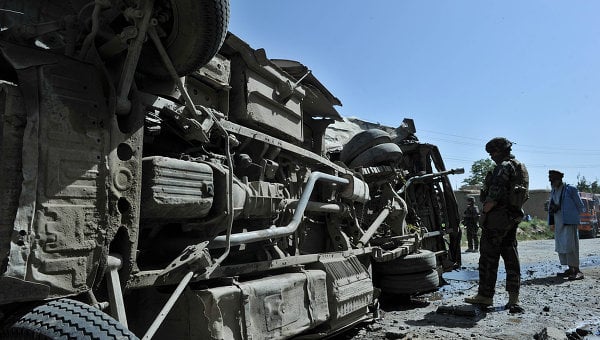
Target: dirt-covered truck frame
<point>160,178</point>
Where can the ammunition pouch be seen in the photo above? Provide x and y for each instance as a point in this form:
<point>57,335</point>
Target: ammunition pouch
<point>518,196</point>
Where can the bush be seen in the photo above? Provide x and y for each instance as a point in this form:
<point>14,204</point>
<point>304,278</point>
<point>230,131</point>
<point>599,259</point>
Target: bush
<point>535,229</point>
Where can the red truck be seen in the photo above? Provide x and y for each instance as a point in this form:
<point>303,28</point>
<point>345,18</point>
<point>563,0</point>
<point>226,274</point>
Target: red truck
<point>588,227</point>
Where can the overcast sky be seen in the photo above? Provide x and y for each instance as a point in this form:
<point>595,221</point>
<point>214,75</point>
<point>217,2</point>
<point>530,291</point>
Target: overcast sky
<point>465,70</point>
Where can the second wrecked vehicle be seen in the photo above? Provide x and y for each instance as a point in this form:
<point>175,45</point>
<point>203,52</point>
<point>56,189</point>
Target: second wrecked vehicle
<point>153,187</point>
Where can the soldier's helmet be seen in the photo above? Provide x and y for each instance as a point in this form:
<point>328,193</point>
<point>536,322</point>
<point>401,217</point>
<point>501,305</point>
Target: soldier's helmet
<point>498,144</point>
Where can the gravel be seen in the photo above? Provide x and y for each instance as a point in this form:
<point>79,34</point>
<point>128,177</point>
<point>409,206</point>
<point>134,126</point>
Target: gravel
<point>555,308</point>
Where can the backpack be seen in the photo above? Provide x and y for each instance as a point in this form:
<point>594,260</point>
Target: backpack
<point>519,185</point>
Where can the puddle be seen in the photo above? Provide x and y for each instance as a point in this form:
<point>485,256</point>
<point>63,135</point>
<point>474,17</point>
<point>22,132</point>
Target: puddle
<point>528,270</point>
<point>468,277</point>
<point>462,275</point>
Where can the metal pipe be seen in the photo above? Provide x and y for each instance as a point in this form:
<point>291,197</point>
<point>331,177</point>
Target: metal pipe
<point>89,39</point>
<point>319,206</point>
<point>430,176</point>
<point>167,307</point>
<point>274,231</point>
<point>403,210</point>
<point>373,228</point>
<point>117,304</point>
<point>132,58</point>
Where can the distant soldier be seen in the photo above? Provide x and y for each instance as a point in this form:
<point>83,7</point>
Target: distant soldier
<point>504,191</point>
<point>471,222</point>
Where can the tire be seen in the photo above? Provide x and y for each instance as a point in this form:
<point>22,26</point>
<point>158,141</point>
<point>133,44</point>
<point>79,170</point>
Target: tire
<point>422,261</point>
<point>194,34</point>
<point>382,153</point>
<point>362,141</point>
<point>410,284</point>
<point>67,319</point>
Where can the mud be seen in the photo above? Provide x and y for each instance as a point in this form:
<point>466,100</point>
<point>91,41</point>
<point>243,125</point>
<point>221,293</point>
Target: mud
<point>555,308</point>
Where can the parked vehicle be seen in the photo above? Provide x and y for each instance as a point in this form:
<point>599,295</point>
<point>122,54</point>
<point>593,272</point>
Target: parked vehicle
<point>163,179</point>
<point>588,228</point>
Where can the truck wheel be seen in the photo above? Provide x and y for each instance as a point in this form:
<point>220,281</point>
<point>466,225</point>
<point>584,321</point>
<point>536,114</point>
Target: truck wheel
<point>362,141</point>
<point>386,152</point>
<point>195,30</point>
<point>410,284</point>
<point>67,319</point>
<point>422,261</point>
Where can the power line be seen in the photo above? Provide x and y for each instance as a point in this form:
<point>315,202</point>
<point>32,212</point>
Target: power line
<point>554,150</point>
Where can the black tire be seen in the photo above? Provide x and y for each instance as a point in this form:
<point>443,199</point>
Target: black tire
<point>422,261</point>
<point>410,284</point>
<point>382,153</point>
<point>194,34</point>
<point>67,319</point>
<point>362,141</point>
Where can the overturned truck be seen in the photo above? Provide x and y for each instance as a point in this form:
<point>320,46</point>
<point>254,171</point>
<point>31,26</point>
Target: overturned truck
<point>163,179</point>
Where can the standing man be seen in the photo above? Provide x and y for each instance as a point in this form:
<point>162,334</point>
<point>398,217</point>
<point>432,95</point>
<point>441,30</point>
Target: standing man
<point>505,190</point>
<point>563,213</point>
<point>471,222</point>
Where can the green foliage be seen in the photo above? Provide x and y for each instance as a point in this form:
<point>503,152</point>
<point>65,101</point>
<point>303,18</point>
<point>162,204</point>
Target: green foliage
<point>584,186</point>
<point>478,171</point>
<point>536,229</point>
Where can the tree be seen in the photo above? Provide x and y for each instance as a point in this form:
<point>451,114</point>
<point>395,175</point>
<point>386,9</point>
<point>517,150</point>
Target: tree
<point>584,186</point>
<point>479,169</point>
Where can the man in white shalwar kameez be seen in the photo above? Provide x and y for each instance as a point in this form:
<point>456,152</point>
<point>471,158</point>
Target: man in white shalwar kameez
<point>563,212</point>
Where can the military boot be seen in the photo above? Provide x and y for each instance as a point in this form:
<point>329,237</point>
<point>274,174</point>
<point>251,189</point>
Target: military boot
<point>513,303</point>
<point>480,300</point>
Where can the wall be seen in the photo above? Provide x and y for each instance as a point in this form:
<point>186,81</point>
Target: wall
<point>534,205</point>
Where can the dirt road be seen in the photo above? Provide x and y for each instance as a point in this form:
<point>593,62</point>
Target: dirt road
<point>553,306</point>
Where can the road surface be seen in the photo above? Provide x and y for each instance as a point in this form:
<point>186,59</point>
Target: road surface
<point>554,307</point>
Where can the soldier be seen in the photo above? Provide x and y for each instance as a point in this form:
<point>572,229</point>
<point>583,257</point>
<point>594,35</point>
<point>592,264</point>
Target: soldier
<point>471,222</point>
<point>503,194</point>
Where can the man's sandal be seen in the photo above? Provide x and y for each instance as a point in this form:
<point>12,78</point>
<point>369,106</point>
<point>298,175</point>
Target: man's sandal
<point>576,276</point>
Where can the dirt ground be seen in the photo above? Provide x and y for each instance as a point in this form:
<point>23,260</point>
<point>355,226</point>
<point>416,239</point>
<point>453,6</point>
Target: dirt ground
<point>555,308</point>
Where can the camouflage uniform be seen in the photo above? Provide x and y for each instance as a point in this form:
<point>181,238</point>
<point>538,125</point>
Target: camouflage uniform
<point>504,191</point>
<point>499,230</point>
<point>471,222</point>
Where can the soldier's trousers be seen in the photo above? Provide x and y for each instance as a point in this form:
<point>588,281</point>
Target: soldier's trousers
<point>498,238</point>
<point>473,236</point>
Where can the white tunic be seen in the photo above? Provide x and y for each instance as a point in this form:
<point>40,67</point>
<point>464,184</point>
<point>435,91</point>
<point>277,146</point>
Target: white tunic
<point>566,238</point>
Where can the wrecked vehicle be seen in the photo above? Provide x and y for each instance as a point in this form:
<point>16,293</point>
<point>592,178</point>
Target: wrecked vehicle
<point>162,184</point>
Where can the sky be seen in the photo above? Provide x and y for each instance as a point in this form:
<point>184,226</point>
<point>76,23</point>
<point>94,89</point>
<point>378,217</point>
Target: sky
<point>466,71</point>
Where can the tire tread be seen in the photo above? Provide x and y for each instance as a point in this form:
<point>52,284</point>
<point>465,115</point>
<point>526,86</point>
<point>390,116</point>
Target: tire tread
<point>69,319</point>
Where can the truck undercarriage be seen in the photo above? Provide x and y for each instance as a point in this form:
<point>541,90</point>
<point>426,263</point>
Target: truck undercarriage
<point>182,186</point>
